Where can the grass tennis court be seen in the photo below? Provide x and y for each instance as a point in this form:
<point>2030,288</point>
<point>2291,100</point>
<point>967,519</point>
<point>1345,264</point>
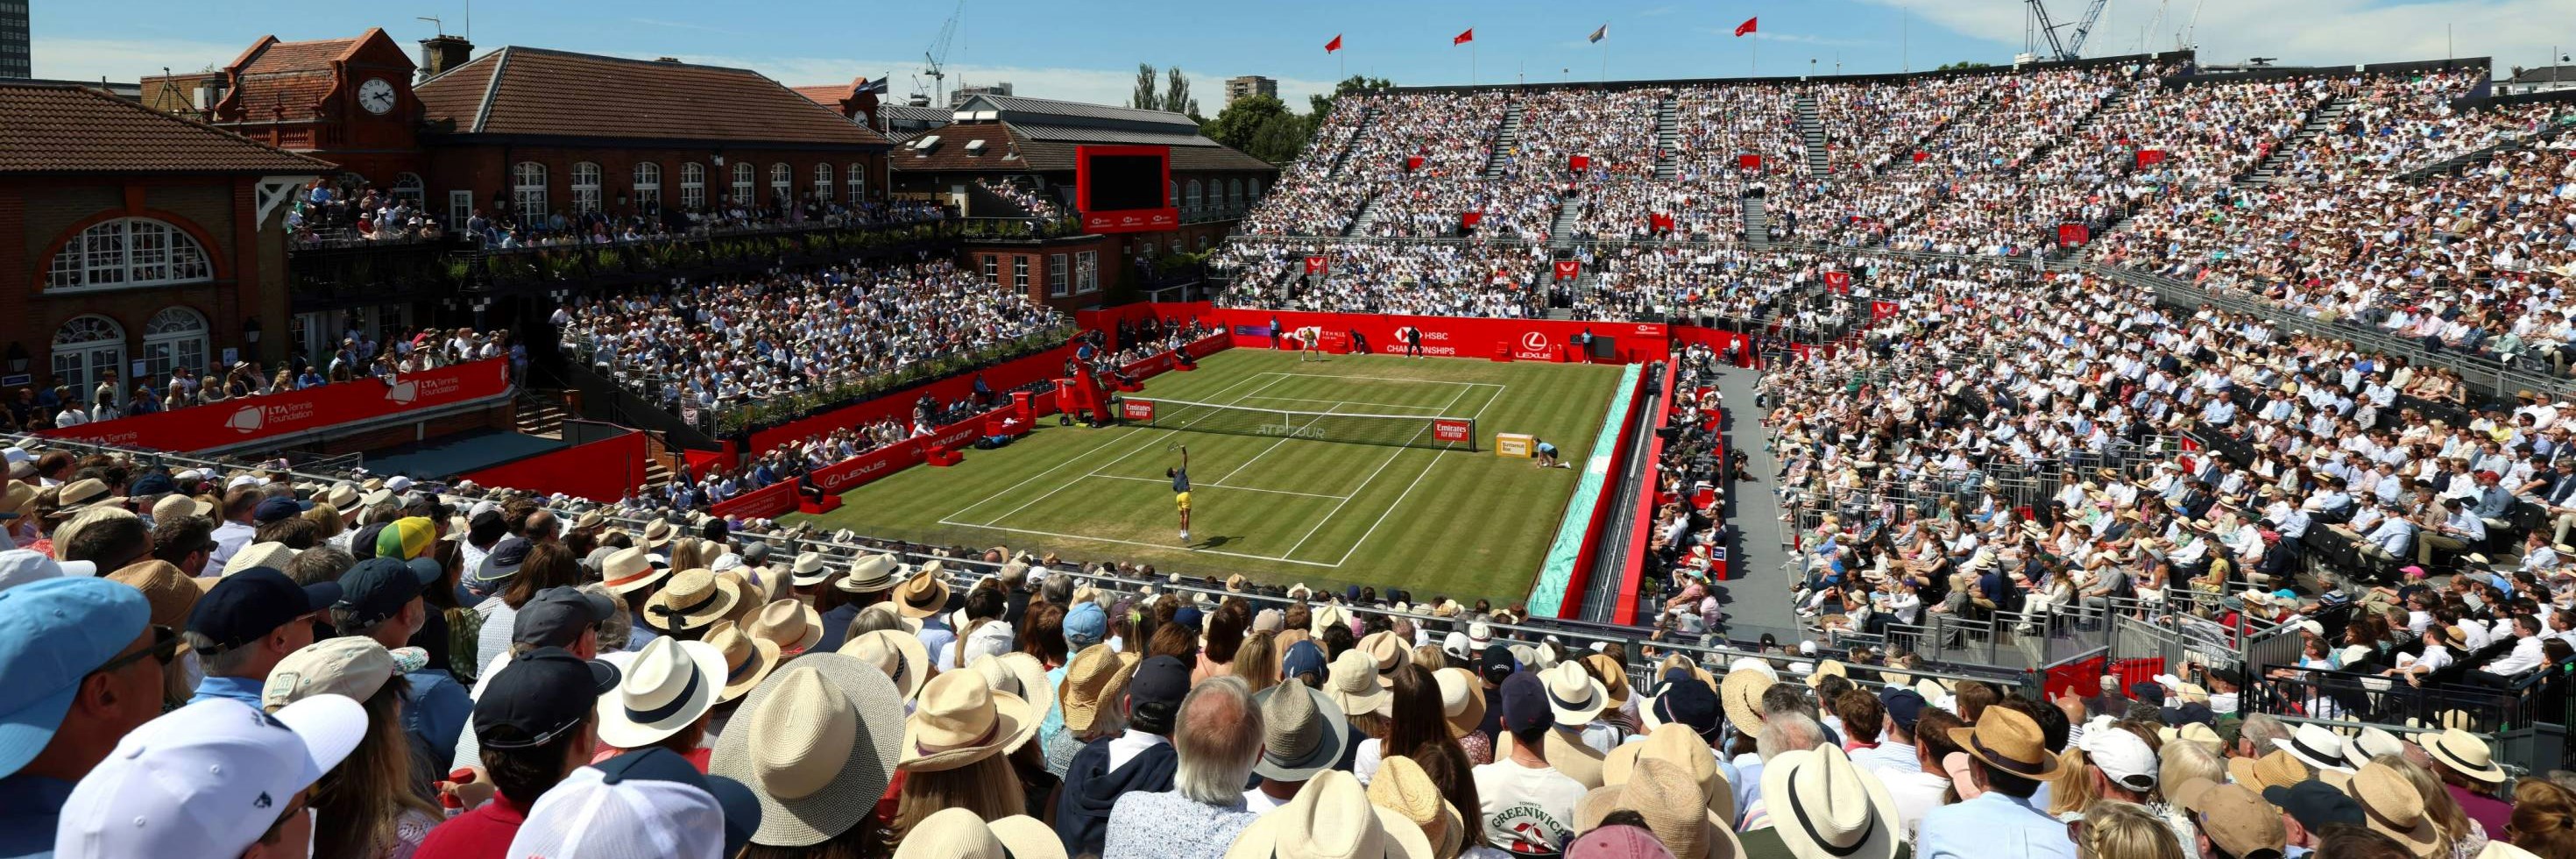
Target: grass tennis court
<point>1274,507</point>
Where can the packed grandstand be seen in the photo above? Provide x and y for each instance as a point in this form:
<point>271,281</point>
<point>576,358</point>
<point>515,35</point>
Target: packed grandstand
<point>2115,460</point>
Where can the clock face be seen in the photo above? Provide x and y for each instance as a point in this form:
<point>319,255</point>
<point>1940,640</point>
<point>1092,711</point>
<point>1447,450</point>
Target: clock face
<point>376,96</point>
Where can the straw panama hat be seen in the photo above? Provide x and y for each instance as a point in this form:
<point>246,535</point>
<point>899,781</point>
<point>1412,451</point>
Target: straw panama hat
<point>1331,818</point>
<point>1401,786</point>
<point>665,689</point>
<point>791,624</point>
<point>869,575</point>
<point>1303,733</point>
<point>1571,756</point>
<point>1354,684</point>
<point>2372,742</point>
<point>1669,800</point>
<point>2007,740</point>
<point>923,595</point>
<point>1674,744</point>
<point>1385,650</point>
<point>958,833</point>
<point>2315,745</point>
<point>1018,674</point>
<point>808,570</point>
<point>691,599</point>
<point>1741,692</point>
<point>630,569</point>
<point>2464,753</point>
<point>816,744</point>
<point>1462,700</point>
<point>960,720</point>
<point>1094,680</point>
<point>897,656</point>
<point>2277,769</point>
<point>1827,668</point>
<point>2392,807</point>
<point>748,659</point>
<point>1573,696</point>
<point>1831,809</point>
<point>1614,677</point>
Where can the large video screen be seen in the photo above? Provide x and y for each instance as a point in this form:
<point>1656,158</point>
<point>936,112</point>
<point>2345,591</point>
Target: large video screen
<point>1125,188</point>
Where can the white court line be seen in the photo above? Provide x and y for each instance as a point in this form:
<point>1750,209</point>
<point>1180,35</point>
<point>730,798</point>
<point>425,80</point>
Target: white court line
<point>1283,438</point>
<point>1372,478</point>
<point>1417,481</point>
<point>1343,402</point>
<point>1382,379</point>
<point>1070,460</point>
<point>1217,486</point>
<point>1137,543</point>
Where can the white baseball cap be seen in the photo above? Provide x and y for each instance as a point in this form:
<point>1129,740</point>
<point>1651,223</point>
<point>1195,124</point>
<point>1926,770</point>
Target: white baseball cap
<point>397,483</point>
<point>20,566</point>
<point>594,814</point>
<point>2122,755</point>
<point>206,779</point>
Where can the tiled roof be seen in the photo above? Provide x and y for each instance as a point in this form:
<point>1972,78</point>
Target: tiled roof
<point>924,114</point>
<point>62,129</point>
<point>1031,107</point>
<point>1079,134</point>
<point>1042,156</point>
<point>827,95</point>
<point>563,94</point>
<point>298,56</point>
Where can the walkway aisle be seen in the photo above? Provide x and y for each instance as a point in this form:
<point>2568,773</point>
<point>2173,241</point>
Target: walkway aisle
<point>1757,590</point>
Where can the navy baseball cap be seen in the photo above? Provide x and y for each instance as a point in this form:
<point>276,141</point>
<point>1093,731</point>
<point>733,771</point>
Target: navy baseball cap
<point>2314,804</point>
<point>152,484</point>
<point>741,808</point>
<point>556,616</point>
<point>276,510</point>
<point>1683,700</point>
<point>505,559</point>
<point>248,605</point>
<point>1525,704</point>
<point>1499,663</point>
<point>1903,705</point>
<point>1189,618</point>
<point>1160,680</point>
<point>379,588</point>
<point>539,696</point>
<point>1304,657</point>
<point>2148,690</point>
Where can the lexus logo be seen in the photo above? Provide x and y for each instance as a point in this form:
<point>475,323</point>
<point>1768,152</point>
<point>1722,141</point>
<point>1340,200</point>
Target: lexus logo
<point>1534,341</point>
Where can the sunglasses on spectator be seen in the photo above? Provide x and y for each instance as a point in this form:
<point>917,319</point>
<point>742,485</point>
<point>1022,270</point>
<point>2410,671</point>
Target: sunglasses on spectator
<point>164,647</point>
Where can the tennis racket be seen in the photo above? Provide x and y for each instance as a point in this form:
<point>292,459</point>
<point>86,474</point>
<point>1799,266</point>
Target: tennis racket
<point>1171,445</point>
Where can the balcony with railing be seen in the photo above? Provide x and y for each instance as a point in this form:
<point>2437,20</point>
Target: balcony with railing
<point>328,273</point>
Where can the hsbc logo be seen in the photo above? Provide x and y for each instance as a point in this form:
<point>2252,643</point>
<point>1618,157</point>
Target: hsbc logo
<point>249,419</point>
<point>1534,341</point>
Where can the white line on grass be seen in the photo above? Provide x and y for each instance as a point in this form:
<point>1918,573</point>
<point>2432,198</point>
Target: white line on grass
<point>1417,481</point>
<point>1372,478</point>
<point>1342,402</point>
<point>1283,439</point>
<point>1070,460</point>
<point>1149,442</point>
<point>1384,379</point>
<point>1217,486</point>
<point>1138,543</point>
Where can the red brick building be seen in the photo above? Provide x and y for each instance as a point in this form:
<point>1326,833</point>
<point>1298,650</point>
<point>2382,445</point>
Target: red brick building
<point>132,237</point>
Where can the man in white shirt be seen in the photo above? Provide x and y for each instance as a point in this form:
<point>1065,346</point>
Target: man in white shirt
<point>235,531</point>
<point>1528,807</point>
<point>2524,658</point>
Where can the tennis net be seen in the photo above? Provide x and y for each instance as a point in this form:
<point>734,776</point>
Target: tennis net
<point>1433,431</point>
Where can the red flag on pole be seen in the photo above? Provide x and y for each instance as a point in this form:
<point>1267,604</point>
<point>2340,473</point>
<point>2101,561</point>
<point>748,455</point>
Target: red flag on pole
<point>1920,156</point>
<point>1838,282</point>
<point>1578,163</point>
<point>1465,37</point>
<point>1469,219</point>
<point>1412,163</point>
<point>1747,26</point>
<point>1314,265</point>
<point>2150,157</point>
<point>1748,161</point>
<point>1334,45</point>
<point>1568,269</point>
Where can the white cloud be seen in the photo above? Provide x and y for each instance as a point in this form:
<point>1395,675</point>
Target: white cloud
<point>126,60</point>
<point>1097,86</point>
<point>2300,32</point>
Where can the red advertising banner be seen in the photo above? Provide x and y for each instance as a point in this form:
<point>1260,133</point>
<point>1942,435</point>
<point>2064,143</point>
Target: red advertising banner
<point>1461,337</point>
<point>1838,281</point>
<point>1660,222</point>
<point>278,415</point>
<point>1133,221</point>
<point>869,467</point>
<point>1454,431</point>
<point>1470,219</point>
<point>2073,234</point>
<point>1314,265</point>
<point>1749,161</point>
<point>1136,410</point>
<point>1567,269</point>
<point>600,471</point>
<point>2150,157</point>
<point>767,502</point>
<point>898,405</point>
<point>1578,163</point>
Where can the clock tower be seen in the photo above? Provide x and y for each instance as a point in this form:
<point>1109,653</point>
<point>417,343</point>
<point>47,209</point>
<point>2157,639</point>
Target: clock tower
<point>346,101</point>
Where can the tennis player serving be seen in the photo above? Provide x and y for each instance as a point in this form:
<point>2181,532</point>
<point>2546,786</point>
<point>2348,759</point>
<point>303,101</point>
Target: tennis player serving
<point>1181,490</point>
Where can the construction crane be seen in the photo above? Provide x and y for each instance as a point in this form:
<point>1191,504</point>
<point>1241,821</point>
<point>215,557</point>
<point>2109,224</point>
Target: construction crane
<point>2068,48</point>
<point>935,60</point>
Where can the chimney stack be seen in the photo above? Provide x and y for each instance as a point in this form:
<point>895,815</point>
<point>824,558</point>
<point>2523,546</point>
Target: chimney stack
<point>438,54</point>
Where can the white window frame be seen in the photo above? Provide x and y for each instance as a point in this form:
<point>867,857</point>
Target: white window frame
<point>1059,275</point>
<point>586,177</point>
<point>782,182</point>
<point>855,178</point>
<point>128,253</point>
<point>82,373</point>
<point>992,270</point>
<point>408,188</point>
<point>528,189</point>
<point>460,208</point>
<point>1086,272</point>
<point>1020,272</point>
<point>648,186</point>
<point>1195,198</point>
<point>823,182</point>
<point>693,186</point>
<point>178,336</point>
<point>745,178</point>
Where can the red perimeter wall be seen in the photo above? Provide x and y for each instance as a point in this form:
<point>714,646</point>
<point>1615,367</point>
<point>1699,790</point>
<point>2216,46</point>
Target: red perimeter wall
<point>600,471</point>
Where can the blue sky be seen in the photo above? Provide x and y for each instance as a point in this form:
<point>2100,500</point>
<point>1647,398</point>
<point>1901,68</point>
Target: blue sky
<point>1088,50</point>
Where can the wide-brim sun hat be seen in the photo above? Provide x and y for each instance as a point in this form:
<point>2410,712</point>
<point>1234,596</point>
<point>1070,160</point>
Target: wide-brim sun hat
<point>1326,736</point>
<point>1331,818</point>
<point>1826,808</point>
<point>960,833</point>
<point>748,659</point>
<point>1462,700</point>
<point>664,690</point>
<point>2009,741</point>
<point>960,719</point>
<point>1741,694</point>
<point>817,745</point>
<point>692,599</point>
<point>1354,685</point>
<point>897,655</point>
<point>1018,674</point>
<point>2464,753</point>
<point>1573,696</point>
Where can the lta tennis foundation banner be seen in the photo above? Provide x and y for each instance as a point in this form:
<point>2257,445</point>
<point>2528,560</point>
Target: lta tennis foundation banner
<point>233,422</point>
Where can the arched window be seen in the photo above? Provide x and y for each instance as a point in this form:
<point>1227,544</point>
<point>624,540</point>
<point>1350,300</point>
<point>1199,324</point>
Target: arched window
<point>693,186</point>
<point>176,337</point>
<point>856,178</point>
<point>823,183</point>
<point>86,350</point>
<point>585,187</point>
<point>127,252</point>
<point>743,175</point>
<point>1256,191</point>
<point>409,188</point>
<point>1194,199</point>
<point>648,186</point>
<point>528,188</point>
<point>1234,193</point>
<point>1174,193</point>
<point>782,182</point>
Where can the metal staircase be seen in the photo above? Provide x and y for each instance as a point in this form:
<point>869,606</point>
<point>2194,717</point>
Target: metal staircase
<point>1367,215</point>
<point>1368,121</point>
<point>1757,223</point>
<point>1668,138</point>
<point>1560,232</point>
<point>1507,139</point>
<point>1818,163</point>
<point>2323,117</point>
